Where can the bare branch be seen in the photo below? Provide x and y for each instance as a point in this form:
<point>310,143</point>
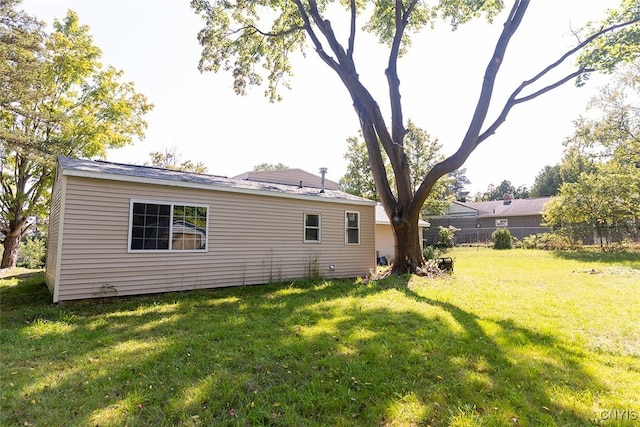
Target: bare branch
<point>513,101</point>
<point>394,146</point>
<point>314,37</point>
<point>376,162</point>
<point>468,144</point>
<point>352,35</point>
<point>266,34</point>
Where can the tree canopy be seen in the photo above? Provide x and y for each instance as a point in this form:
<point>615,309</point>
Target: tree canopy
<point>254,42</point>
<point>504,189</point>
<point>170,158</point>
<point>270,167</point>
<point>600,193</point>
<point>423,152</point>
<point>56,99</point>
<point>547,182</point>
<point>459,181</point>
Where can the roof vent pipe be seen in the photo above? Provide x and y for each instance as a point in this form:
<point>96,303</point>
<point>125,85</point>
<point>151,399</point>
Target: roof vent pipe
<point>323,172</point>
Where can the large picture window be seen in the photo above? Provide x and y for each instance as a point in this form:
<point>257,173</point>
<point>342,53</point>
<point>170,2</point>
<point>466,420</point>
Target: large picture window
<point>311,228</point>
<point>168,227</point>
<point>352,228</point>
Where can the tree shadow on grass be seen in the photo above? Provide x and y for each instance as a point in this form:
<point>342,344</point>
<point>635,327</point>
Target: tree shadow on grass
<point>312,353</point>
<point>30,287</point>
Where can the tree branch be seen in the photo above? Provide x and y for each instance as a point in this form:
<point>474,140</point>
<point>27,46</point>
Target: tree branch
<point>394,146</point>
<point>314,38</point>
<point>266,33</point>
<point>468,144</point>
<point>352,34</point>
<point>513,101</point>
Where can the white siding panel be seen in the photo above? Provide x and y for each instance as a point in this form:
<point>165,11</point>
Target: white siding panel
<point>53,236</point>
<point>252,240</point>
<point>384,241</point>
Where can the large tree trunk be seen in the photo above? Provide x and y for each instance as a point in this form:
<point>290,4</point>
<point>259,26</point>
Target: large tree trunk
<point>408,253</point>
<point>11,245</point>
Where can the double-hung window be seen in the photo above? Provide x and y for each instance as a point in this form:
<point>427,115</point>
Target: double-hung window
<point>311,228</point>
<point>352,228</point>
<point>168,227</point>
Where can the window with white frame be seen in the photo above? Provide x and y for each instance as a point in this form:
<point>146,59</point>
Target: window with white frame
<point>352,228</point>
<point>167,227</point>
<point>311,228</point>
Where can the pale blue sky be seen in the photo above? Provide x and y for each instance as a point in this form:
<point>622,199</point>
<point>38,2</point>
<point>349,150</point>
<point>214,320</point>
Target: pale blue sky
<point>154,42</point>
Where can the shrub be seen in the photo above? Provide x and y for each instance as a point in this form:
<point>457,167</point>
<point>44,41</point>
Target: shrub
<point>31,253</point>
<point>530,242</point>
<point>501,239</point>
<point>431,252</point>
<point>555,241</point>
<point>446,236</point>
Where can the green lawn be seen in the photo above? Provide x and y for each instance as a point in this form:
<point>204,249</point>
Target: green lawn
<point>511,338</point>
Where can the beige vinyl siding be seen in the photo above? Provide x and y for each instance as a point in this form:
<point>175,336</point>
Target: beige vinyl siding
<point>384,241</point>
<point>251,240</point>
<point>54,233</point>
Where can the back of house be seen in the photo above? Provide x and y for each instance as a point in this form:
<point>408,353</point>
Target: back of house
<point>120,229</point>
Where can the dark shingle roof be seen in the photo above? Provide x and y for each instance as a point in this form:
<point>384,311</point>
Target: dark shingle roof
<point>126,172</point>
<point>514,207</point>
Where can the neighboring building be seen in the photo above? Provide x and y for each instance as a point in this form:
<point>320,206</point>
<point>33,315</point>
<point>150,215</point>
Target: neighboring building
<point>478,220</point>
<point>119,229</point>
<point>385,244</point>
<point>290,177</point>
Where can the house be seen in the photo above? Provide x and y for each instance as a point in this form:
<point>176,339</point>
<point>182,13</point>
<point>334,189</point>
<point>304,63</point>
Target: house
<point>476,221</point>
<point>118,229</point>
<point>383,232</point>
<point>385,243</point>
<point>290,177</point>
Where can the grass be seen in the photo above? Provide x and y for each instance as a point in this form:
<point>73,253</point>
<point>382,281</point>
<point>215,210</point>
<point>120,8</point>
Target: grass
<point>511,338</point>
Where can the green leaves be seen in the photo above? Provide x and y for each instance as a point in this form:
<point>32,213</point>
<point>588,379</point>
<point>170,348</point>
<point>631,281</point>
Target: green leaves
<point>601,190</point>
<point>56,99</point>
<point>622,45</point>
<point>459,12</point>
<point>254,40</point>
<point>421,151</point>
<point>236,40</point>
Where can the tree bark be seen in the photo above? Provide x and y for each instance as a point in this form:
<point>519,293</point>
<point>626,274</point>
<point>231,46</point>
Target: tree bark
<point>11,245</point>
<point>408,252</point>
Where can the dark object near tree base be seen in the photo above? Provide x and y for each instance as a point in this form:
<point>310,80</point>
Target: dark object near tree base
<point>383,260</point>
<point>445,264</point>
